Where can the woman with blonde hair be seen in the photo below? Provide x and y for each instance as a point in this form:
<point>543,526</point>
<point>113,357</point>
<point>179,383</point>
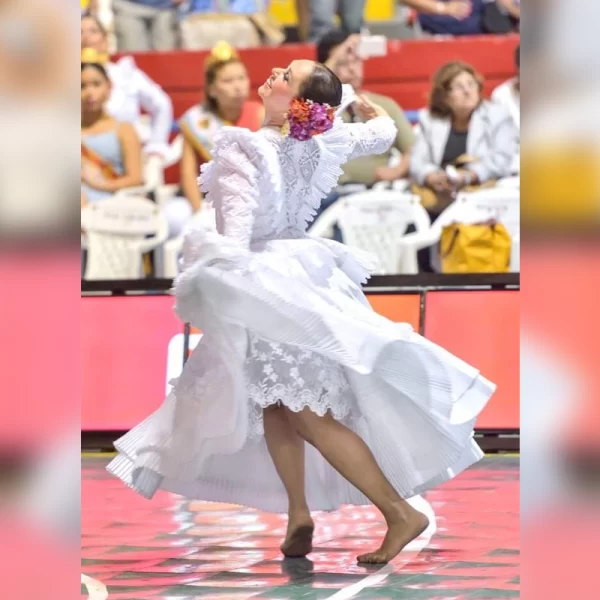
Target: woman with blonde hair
<point>463,140</point>
<point>226,88</point>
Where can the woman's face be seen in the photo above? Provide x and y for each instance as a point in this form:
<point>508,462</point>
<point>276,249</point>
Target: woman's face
<point>284,85</point>
<point>95,90</point>
<point>232,85</point>
<point>463,94</point>
<point>92,36</point>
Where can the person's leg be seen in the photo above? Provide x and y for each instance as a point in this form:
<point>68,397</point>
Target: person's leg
<point>303,12</point>
<point>321,18</point>
<point>131,27</point>
<point>352,15</point>
<point>351,457</point>
<point>286,448</point>
<point>165,30</point>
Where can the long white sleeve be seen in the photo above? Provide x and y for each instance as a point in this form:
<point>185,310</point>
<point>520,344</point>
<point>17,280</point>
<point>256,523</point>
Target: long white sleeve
<point>157,103</point>
<point>373,137</point>
<point>233,189</point>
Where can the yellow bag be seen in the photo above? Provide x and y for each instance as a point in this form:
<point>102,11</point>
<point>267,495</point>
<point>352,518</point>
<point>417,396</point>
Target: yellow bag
<point>478,248</point>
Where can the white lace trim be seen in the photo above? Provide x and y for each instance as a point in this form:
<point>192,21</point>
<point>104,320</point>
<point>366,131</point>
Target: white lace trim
<point>296,378</point>
<point>265,161</point>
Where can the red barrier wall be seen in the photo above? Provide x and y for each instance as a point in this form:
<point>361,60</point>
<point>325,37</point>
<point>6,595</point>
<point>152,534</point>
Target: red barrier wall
<point>124,347</point>
<point>127,342</point>
<point>404,74</point>
<point>400,308</point>
<point>482,328</point>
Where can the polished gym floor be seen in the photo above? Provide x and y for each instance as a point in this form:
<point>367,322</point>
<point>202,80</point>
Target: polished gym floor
<point>170,548</point>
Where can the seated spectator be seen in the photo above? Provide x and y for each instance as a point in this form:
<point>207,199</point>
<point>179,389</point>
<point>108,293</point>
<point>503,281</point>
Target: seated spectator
<point>242,23</point>
<point>339,52</point>
<point>508,94</point>
<point>227,88</point>
<point>111,156</point>
<point>143,25</point>
<point>466,17</point>
<point>132,90</point>
<point>449,17</point>
<point>501,16</point>
<point>322,13</point>
<point>246,7</point>
<point>456,9</point>
<point>463,140</point>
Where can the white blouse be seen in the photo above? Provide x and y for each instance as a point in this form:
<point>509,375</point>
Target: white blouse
<point>133,91</point>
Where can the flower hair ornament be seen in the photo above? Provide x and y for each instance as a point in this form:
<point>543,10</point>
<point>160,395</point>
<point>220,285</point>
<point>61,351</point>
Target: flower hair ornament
<point>306,119</point>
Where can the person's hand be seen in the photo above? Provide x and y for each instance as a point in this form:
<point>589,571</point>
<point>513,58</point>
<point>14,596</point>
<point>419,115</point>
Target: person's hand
<point>467,177</point>
<point>368,110</point>
<point>386,174</point>
<point>94,180</point>
<point>459,9</point>
<point>344,52</point>
<point>438,181</point>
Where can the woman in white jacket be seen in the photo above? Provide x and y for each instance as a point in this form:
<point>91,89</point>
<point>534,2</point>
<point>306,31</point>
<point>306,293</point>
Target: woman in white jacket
<point>463,130</point>
<point>132,91</point>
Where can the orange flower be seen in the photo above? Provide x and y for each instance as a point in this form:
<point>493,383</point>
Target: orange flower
<point>299,110</point>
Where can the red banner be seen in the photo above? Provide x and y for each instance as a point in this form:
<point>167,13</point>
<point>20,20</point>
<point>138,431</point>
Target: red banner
<point>482,328</point>
<point>124,355</point>
<point>132,345</point>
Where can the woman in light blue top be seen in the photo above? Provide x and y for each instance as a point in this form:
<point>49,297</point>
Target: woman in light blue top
<point>111,156</point>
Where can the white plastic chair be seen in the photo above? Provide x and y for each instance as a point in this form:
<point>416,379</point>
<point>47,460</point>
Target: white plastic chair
<point>118,232</point>
<point>376,221</point>
<point>500,204</point>
<point>510,183</point>
<point>205,219</point>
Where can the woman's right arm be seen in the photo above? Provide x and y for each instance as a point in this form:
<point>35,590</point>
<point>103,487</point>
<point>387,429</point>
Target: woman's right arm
<point>459,9</point>
<point>231,181</point>
<point>189,176</point>
<point>421,161</point>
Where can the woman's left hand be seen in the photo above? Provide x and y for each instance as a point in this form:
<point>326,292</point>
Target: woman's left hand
<point>467,177</point>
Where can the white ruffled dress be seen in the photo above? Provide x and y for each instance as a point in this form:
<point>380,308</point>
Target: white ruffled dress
<point>284,320</point>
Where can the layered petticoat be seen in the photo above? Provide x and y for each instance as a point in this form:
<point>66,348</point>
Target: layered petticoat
<point>413,403</point>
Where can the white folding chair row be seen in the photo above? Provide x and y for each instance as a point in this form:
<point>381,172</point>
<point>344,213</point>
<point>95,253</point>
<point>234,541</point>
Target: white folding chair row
<point>500,204</point>
<point>118,232</point>
<point>377,221</point>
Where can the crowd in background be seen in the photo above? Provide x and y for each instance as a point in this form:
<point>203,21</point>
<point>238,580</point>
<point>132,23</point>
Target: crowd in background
<point>462,141</point>
<point>141,25</point>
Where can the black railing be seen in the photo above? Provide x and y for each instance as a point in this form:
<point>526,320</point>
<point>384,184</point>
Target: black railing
<point>377,282</point>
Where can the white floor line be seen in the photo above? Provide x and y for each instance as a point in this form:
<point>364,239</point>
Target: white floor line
<point>405,556</point>
<point>96,589</point>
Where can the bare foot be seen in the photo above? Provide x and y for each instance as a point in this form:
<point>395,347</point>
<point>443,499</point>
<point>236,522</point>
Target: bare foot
<point>298,541</point>
<point>402,530</point>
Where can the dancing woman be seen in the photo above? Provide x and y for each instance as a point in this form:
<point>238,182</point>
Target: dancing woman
<point>291,351</point>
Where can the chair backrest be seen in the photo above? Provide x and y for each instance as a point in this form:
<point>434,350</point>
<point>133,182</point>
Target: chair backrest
<point>202,32</point>
<point>119,232</point>
<point>501,204</point>
<point>376,221</point>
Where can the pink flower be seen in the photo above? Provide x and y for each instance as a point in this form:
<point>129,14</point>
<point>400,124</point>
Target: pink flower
<point>307,119</point>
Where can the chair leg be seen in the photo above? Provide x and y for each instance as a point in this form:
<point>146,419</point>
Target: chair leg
<point>170,255</point>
